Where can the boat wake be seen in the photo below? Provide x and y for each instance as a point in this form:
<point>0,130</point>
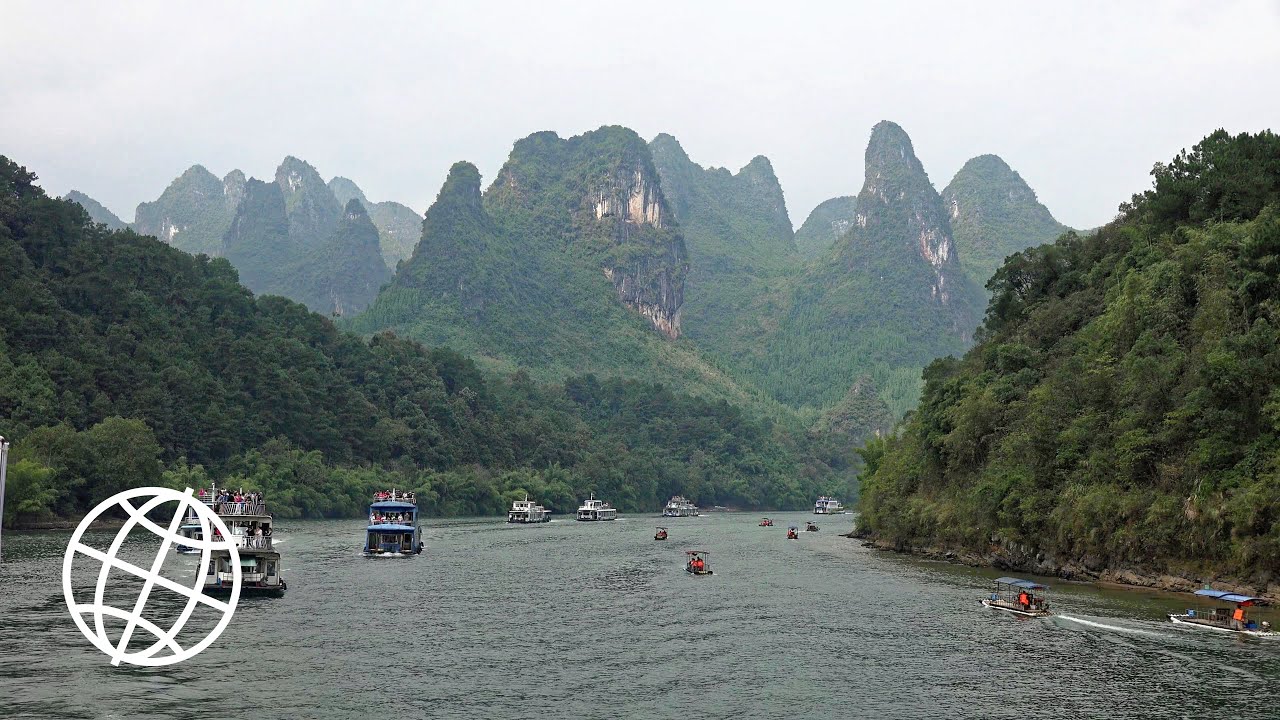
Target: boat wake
<point>1105,626</point>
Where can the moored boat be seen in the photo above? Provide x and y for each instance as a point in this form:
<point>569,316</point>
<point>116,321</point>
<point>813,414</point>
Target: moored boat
<point>827,506</point>
<point>393,529</point>
<point>811,527</point>
<point>527,512</point>
<point>1018,596</point>
<point>680,506</point>
<point>246,516</point>
<point>1225,619</point>
<point>593,510</point>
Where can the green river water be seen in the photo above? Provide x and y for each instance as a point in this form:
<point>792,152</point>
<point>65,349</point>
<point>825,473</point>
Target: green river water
<point>597,620</point>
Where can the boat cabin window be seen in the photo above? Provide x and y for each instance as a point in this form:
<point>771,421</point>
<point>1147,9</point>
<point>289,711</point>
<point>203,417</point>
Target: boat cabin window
<point>271,569</point>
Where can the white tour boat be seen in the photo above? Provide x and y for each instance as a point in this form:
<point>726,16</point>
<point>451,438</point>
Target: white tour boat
<point>827,506</point>
<point>679,506</point>
<point>250,525</point>
<point>527,511</point>
<point>593,509</point>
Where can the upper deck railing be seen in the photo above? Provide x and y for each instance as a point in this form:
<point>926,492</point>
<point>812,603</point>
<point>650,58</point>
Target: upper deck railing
<point>395,495</point>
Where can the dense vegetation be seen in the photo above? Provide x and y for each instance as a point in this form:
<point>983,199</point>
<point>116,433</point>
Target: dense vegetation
<point>126,362</point>
<point>994,214</point>
<point>825,224</point>
<point>97,211</point>
<point>290,238</point>
<point>399,226</point>
<point>1122,405</point>
<point>515,277</point>
<point>194,211</point>
<point>875,303</point>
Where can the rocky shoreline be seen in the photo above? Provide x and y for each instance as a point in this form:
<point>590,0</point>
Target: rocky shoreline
<point>1010,556</point>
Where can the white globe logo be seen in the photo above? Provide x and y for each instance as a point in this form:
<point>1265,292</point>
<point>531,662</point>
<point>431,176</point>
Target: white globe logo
<point>152,577</point>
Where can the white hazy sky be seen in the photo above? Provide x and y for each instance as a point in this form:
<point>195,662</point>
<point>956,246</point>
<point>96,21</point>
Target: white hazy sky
<point>117,99</point>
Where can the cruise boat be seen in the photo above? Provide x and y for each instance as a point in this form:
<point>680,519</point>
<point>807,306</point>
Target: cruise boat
<point>247,518</point>
<point>1018,596</point>
<point>827,506</point>
<point>393,526</point>
<point>679,506</point>
<point>1225,619</point>
<point>593,509</point>
<point>527,511</point>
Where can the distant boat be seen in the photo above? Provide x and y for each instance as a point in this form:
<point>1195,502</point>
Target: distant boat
<point>679,506</point>
<point>1018,596</point>
<point>527,511</point>
<point>393,526</point>
<point>1223,619</point>
<point>594,510</point>
<point>792,534</point>
<point>766,522</point>
<point>661,534</point>
<point>827,506</point>
<point>191,528</point>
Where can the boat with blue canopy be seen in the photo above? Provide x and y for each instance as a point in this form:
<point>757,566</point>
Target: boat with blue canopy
<point>393,526</point>
<point>1018,596</point>
<point>1225,619</point>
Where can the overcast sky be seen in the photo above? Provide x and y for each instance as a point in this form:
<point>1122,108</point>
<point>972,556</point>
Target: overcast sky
<point>117,99</point>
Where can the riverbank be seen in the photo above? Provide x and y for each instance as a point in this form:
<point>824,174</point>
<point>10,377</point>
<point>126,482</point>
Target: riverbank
<point>1014,558</point>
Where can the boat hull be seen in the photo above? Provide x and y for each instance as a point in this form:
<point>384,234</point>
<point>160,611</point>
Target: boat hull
<point>699,572</point>
<point>986,602</point>
<point>273,591</point>
<point>1188,621</point>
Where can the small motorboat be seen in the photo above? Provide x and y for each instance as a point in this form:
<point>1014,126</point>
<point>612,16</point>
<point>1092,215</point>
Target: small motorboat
<point>792,534</point>
<point>811,527</point>
<point>661,534</point>
<point>1235,621</point>
<point>1020,597</point>
<point>697,564</point>
<point>766,523</point>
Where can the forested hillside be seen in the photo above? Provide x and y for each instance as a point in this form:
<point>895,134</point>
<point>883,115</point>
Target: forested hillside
<point>994,214</point>
<point>97,211</point>
<point>124,361</point>
<point>572,261</point>
<point>1122,405</point>
<point>884,301</point>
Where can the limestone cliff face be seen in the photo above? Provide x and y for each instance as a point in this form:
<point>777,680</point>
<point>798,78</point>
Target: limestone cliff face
<point>312,208</point>
<point>899,209</point>
<point>649,276</point>
<point>598,195</point>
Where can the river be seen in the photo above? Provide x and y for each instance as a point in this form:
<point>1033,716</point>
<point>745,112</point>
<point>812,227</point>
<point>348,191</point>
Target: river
<point>597,620</point>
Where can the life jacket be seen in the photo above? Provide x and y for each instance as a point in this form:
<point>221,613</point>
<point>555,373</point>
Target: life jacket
<point>1239,614</point>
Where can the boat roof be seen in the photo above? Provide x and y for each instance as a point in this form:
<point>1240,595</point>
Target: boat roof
<point>1228,596</point>
<point>393,505</point>
<point>1020,583</point>
<point>696,552</point>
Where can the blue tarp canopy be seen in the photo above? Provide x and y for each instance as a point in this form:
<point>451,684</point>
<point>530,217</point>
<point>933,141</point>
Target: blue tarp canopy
<point>393,505</point>
<point>1228,596</point>
<point>1020,583</point>
<point>390,527</point>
